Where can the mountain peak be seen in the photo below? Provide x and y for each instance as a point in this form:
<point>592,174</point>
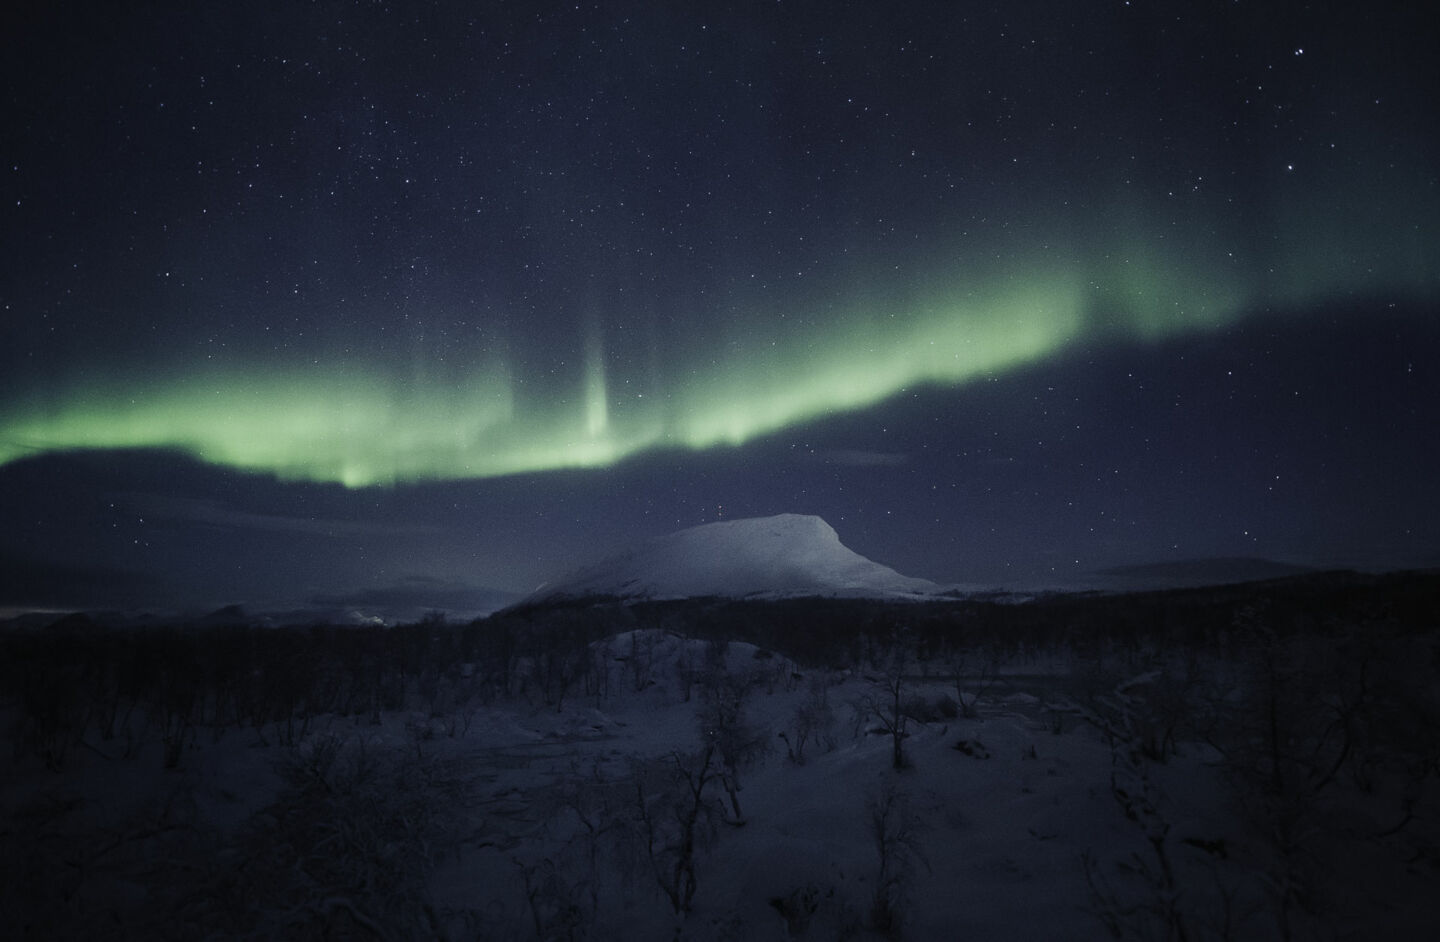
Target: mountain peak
<point>757,557</point>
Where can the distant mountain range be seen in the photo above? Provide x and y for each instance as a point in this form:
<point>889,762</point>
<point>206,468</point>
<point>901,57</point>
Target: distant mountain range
<point>790,555</point>
<point>784,556</point>
<point>1189,573</point>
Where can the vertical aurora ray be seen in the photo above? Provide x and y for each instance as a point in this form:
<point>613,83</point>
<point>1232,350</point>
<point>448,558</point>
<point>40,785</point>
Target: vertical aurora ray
<point>597,408</point>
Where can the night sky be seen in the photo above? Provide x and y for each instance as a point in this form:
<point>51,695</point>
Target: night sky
<point>389,304</point>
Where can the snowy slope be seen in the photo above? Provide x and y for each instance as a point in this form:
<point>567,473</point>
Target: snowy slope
<point>767,557</point>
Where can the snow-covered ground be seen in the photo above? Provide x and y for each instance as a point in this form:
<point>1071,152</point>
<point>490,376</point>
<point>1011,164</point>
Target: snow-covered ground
<point>519,820</point>
<point>997,833</point>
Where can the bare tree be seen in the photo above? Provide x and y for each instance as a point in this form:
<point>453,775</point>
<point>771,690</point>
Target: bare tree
<point>640,660</point>
<point>737,743</point>
<point>886,703</point>
<point>895,833</point>
<point>598,806</point>
<point>974,676</point>
<point>814,720</point>
<point>1140,800</point>
<point>554,913</point>
<point>672,813</point>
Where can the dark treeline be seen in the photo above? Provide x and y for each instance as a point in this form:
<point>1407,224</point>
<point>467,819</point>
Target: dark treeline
<point>76,681</point>
<point>121,687</point>
<point>838,632</point>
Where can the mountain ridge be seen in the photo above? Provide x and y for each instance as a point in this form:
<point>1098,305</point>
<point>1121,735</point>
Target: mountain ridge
<point>786,555</point>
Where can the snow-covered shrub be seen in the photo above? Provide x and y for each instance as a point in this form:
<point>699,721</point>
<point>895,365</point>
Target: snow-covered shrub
<point>797,908</point>
<point>347,847</point>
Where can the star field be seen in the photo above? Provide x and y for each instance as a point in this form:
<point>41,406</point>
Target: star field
<point>455,248</point>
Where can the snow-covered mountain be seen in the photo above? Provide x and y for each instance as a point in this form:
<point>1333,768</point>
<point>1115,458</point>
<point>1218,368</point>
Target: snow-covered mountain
<point>762,557</point>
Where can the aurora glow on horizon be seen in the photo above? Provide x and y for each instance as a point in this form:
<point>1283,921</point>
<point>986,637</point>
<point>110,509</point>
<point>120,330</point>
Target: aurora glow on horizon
<point>476,249</point>
<point>354,422</point>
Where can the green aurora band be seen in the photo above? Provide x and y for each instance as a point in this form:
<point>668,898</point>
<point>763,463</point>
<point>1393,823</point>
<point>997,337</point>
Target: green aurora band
<point>356,422</point>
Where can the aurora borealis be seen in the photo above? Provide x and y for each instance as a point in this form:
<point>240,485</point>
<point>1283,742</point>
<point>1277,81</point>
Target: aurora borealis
<point>617,258</point>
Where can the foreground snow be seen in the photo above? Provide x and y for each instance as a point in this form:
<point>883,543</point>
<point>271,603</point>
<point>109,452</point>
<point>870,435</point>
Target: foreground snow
<point>999,831</point>
<point>521,820</point>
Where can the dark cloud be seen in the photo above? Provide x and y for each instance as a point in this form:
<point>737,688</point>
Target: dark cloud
<point>213,512</point>
<point>29,583</point>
